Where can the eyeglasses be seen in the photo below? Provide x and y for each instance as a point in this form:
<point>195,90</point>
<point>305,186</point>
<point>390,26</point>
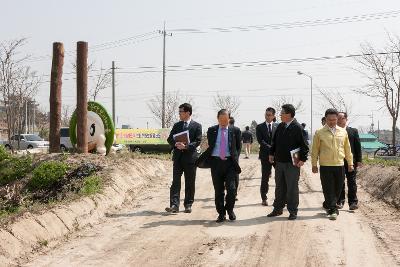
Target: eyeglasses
<point>182,111</point>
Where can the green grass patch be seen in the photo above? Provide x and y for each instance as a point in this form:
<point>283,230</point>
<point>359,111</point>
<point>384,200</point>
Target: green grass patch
<point>14,168</point>
<point>47,174</point>
<point>382,162</point>
<point>91,185</point>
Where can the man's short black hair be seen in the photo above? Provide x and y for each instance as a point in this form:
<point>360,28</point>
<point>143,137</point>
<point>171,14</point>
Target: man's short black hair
<point>344,114</point>
<point>331,111</point>
<point>289,109</point>
<point>223,111</point>
<point>323,119</point>
<point>270,109</point>
<point>186,107</point>
<point>247,128</point>
<point>232,121</point>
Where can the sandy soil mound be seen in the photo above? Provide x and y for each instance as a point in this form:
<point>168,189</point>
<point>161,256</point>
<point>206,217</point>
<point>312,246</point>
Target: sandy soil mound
<point>383,182</point>
<point>32,231</point>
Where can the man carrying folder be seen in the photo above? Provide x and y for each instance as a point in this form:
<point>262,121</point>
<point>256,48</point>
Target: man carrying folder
<point>289,151</point>
<point>184,138</point>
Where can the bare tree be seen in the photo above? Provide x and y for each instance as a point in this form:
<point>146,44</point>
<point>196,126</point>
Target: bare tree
<point>228,102</point>
<point>382,69</point>
<point>100,79</point>
<point>18,85</point>
<point>65,115</point>
<point>172,102</point>
<point>278,103</point>
<point>334,99</point>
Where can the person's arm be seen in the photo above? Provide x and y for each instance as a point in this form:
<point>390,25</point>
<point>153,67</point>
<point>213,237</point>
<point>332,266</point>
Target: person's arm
<point>251,139</point>
<point>357,147</point>
<point>238,136</point>
<point>260,138</point>
<point>316,145</point>
<point>170,138</point>
<point>303,155</point>
<point>272,148</point>
<point>347,151</point>
<point>197,140</point>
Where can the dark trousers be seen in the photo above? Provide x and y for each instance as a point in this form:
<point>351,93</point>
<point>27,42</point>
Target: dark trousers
<point>352,188</point>
<point>223,176</point>
<point>181,166</point>
<point>266,168</point>
<point>332,180</point>
<point>286,187</point>
<point>236,183</point>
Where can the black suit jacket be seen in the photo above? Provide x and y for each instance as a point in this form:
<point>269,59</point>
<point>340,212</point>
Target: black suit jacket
<point>195,134</point>
<point>287,139</point>
<point>355,144</point>
<point>235,146</point>
<point>265,139</point>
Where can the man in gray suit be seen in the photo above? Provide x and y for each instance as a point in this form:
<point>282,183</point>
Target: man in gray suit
<point>265,132</point>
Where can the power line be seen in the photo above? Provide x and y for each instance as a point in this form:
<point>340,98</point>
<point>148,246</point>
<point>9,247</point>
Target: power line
<point>290,25</point>
<point>104,46</point>
<point>195,67</point>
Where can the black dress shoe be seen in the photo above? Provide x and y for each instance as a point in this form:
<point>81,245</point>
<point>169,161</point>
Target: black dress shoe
<point>188,209</point>
<point>173,209</point>
<point>275,213</point>
<point>221,218</point>
<point>353,206</point>
<point>231,215</point>
<point>292,217</point>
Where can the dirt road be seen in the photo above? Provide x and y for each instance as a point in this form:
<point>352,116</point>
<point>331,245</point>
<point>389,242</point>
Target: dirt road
<point>144,235</point>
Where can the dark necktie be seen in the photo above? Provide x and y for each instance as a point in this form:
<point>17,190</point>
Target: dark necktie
<point>269,129</point>
<point>185,125</point>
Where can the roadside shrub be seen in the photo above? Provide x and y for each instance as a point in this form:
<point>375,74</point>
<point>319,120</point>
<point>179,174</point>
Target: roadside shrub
<point>3,153</point>
<point>14,168</point>
<point>46,174</point>
<point>91,185</point>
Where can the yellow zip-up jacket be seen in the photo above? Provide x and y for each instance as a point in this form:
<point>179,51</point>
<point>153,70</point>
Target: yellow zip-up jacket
<point>330,149</point>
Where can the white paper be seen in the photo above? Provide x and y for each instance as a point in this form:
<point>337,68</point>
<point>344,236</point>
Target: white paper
<point>183,133</point>
<point>293,154</point>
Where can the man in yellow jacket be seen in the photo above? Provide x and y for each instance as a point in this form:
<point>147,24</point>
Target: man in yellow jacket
<point>330,146</point>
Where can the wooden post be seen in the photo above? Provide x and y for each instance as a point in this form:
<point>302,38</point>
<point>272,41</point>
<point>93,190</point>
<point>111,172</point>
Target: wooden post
<point>55,97</point>
<point>81,86</point>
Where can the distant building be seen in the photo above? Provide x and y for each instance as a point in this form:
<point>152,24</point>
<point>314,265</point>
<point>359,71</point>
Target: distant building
<point>370,143</point>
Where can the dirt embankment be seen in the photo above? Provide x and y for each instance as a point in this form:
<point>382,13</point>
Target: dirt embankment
<point>31,231</point>
<point>382,182</point>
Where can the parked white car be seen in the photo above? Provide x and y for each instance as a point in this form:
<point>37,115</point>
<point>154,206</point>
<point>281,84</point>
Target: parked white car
<point>65,141</point>
<point>26,141</point>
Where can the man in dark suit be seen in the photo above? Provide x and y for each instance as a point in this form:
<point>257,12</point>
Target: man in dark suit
<point>288,137</point>
<point>265,132</point>
<point>184,158</point>
<point>355,145</point>
<point>222,156</point>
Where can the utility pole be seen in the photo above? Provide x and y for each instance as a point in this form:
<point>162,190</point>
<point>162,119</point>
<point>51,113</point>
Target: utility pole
<point>113,92</point>
<point>26,116</point>
<point>164,33</point>
<point>34,116</point>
